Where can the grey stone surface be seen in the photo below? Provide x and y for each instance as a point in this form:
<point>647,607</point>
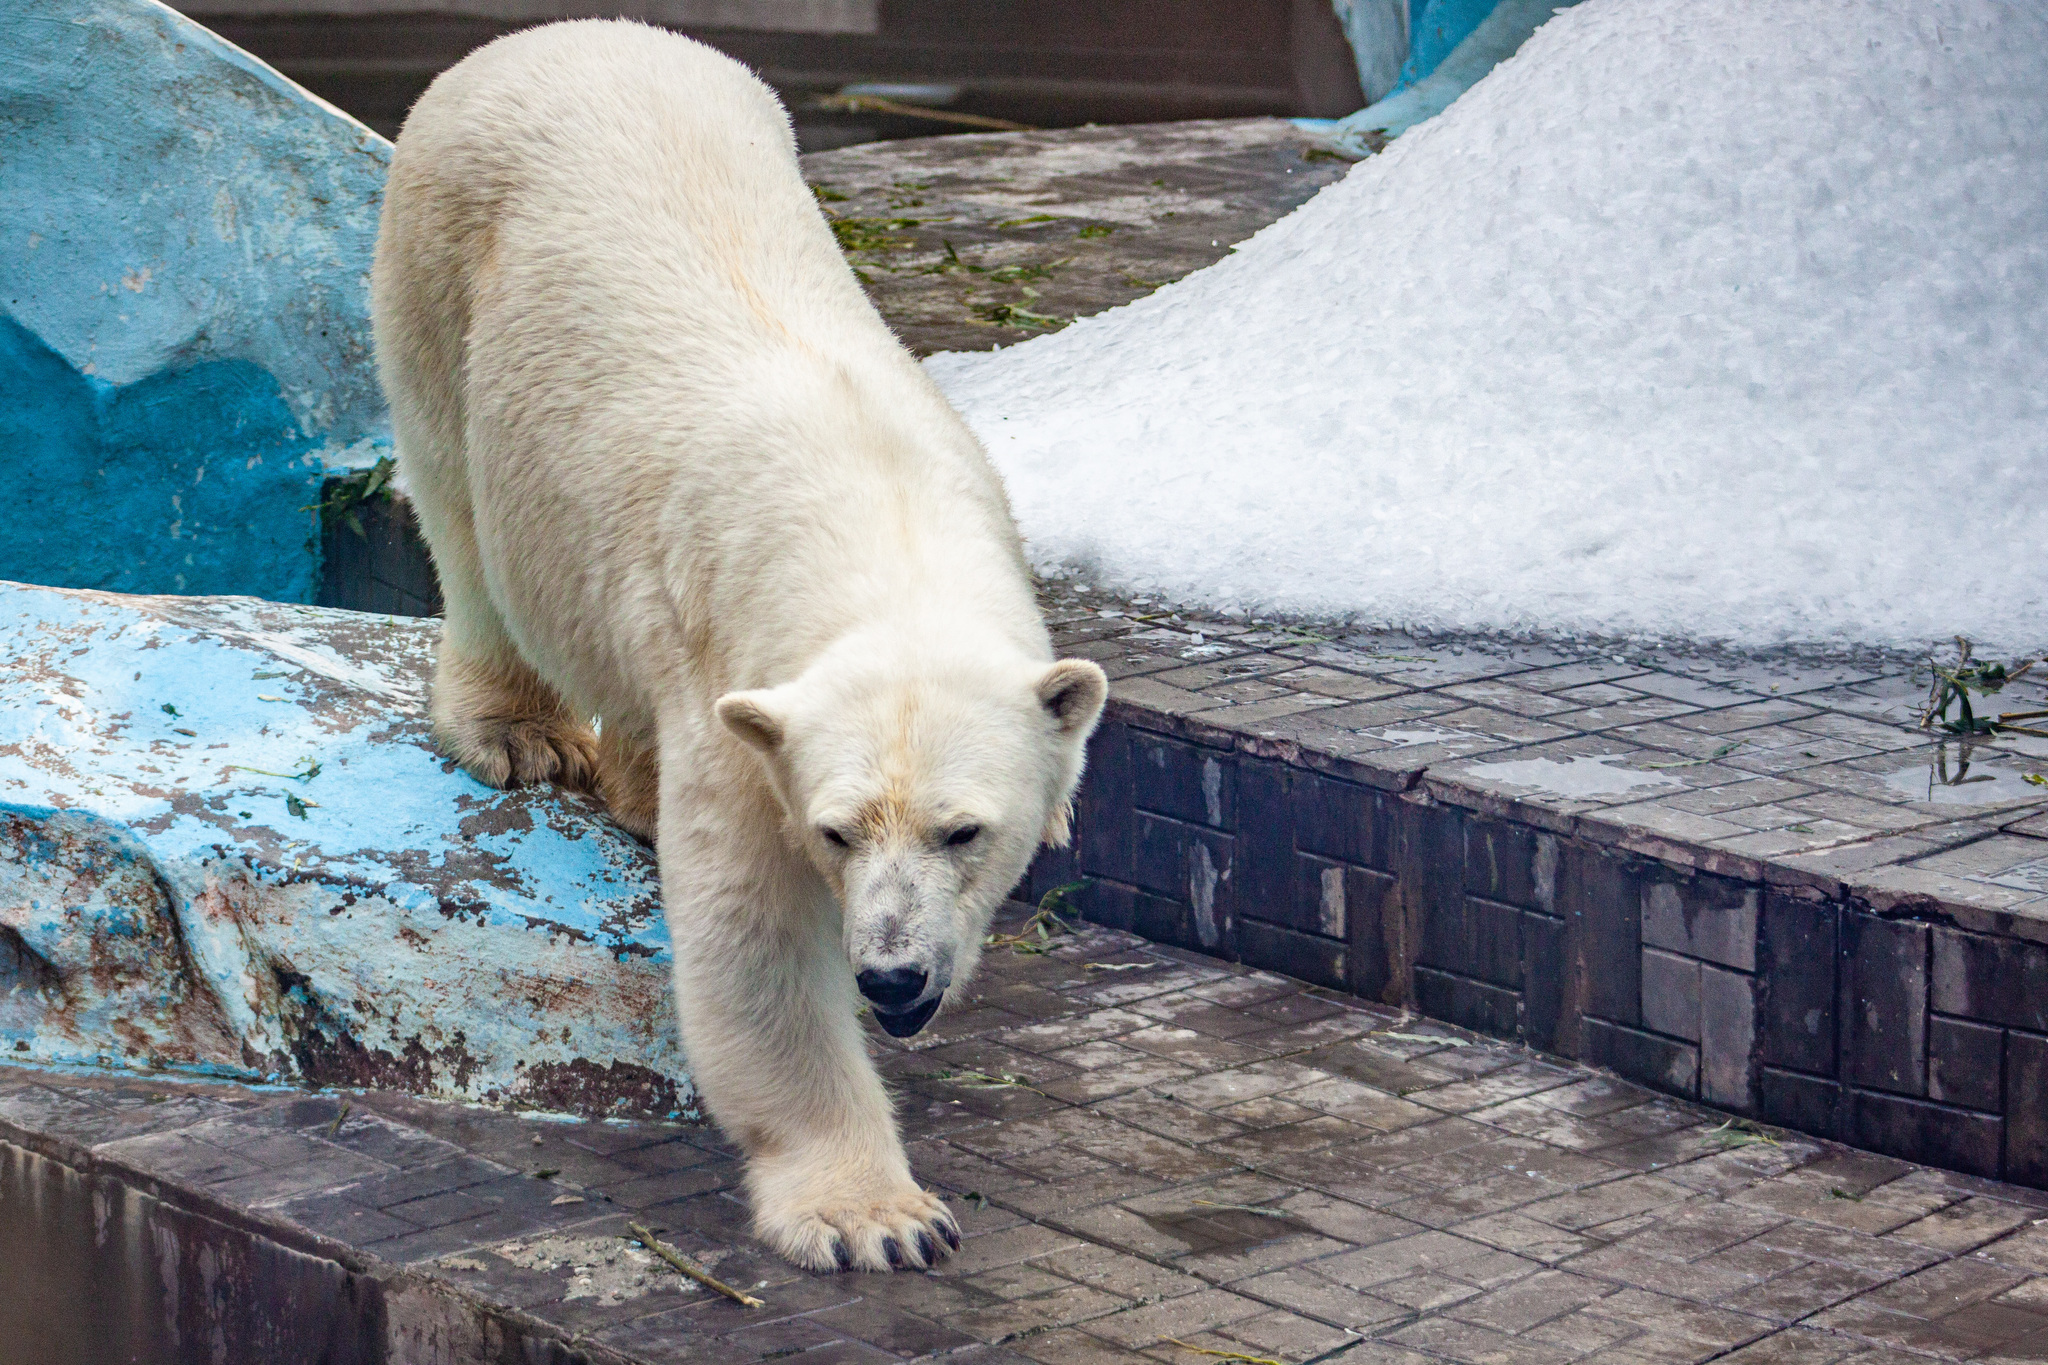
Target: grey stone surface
<point>1153,1155</point>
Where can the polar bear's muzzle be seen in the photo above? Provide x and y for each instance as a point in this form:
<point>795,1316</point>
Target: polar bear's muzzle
<point>895,997</point>
<point>910,1021</point>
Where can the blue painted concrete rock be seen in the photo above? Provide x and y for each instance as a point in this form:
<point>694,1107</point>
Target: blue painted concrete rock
<point>185,238</point>
<point>227,846</point>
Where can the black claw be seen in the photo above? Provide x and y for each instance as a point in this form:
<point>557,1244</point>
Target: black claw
<point>951,1234</point>
<point>841,1254</point>
<point>893,1250</point>
<point>927,1249</point>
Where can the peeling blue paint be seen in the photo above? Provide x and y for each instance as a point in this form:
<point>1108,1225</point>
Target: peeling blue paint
<point>185,240</point>
<point>227,846</point>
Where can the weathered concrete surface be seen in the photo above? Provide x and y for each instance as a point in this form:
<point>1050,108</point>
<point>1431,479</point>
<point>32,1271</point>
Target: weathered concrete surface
<point>226,845</point>
<point>1152,1155</point>
<point>969,243</point>
<point>184,337</point>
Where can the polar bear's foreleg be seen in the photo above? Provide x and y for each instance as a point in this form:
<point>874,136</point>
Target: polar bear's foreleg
<point>767,1006</point>
<point>492,713</point>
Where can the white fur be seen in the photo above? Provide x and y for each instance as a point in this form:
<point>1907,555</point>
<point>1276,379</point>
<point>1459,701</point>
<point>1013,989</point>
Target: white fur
<point>677,474</point>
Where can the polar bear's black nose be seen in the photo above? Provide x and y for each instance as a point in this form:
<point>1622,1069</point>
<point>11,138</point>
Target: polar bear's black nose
<point>894,989</point>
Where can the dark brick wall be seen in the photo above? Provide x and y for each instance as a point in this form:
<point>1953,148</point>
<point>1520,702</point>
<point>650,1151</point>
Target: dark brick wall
<point>1918,1040</point>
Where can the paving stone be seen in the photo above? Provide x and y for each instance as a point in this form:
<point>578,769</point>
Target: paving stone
<point>1184,1316</point>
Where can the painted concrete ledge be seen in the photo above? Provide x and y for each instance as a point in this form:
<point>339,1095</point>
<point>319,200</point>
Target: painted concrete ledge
<point>1752,882</point>
<point>226,846</point>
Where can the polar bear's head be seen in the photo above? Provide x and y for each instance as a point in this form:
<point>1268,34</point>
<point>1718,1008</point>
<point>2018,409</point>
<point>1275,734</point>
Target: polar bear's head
<point>920,795</point>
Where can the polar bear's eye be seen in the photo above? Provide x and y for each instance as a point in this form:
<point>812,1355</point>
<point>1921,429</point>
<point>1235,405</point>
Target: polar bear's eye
<point>833,837</point>
<point>966,834</point>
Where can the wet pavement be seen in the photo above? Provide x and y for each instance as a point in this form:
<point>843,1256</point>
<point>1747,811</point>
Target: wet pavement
<point>1155,1157</point>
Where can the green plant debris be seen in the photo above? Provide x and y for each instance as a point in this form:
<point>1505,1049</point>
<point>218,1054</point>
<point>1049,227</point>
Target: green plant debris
<point>985,1080</point>
<point>1027,222</point>
<point>2036,779</point>
<point>1239,1356</point>
<point>976,1198</point>
<point>873,234</point>
<point>298,806</point>
<point>170,711</point>
<point>1741,1133</point>
<point>1953,686</point>
<point>1023,274</point>
<point>1839,1193</point>
<point>1096,230</point>
<point>1045,924</point>
<point>1420,1038</point>
<point>827,195</point>
<point>951,263</point>
<point>334,1129</point>
<point>1017,315</point>
<point>349,492</point>
<point>273,673</point>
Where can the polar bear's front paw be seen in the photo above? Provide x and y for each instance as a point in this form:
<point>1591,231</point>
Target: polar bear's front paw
<point>905,1229</point>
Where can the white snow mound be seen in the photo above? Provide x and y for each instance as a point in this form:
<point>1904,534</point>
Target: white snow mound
<point>1712,319</point>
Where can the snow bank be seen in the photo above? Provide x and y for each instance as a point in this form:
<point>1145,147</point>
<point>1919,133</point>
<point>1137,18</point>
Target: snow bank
<point>1713,319</point>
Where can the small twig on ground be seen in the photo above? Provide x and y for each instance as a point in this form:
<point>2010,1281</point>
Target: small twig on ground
<point>1224,1355</point>
<point>875,104</point>
<point>645,1237</point>
<point>334,1129</point>
<point>309,768</point>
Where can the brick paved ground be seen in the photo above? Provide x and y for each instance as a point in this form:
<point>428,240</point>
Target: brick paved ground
<point>1147,1147</point>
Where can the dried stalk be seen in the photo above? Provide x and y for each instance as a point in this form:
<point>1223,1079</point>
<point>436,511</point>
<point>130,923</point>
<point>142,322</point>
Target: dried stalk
<point>646,1238</point>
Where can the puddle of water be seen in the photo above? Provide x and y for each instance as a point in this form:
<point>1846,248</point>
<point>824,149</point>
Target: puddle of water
<point>1580,776</point>
<point>1963,785</point>
<point>2024,877</point>
<point>1225,1228</point>
<point>1408,739</point>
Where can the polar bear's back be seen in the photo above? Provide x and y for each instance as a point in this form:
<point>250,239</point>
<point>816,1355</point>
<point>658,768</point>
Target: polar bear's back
<point>611,146</point>
<point>636,386</point>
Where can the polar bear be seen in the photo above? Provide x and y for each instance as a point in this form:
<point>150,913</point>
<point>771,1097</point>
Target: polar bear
<point>680,479</point>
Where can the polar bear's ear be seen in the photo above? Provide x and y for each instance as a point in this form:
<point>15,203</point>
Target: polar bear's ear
<point>754,717</point>
<point>1073,690</point>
